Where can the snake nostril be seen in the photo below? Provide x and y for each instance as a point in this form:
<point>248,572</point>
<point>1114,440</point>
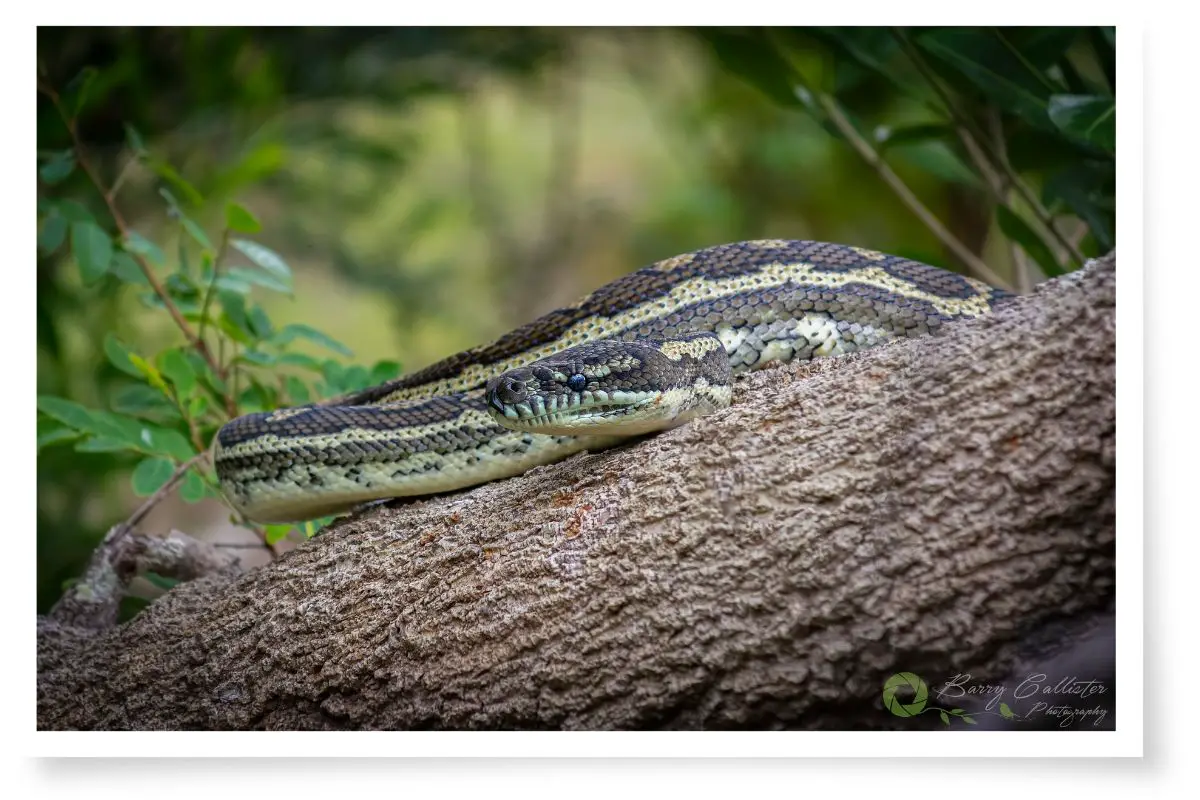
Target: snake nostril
<point>495,402</point>
<point>514,389</point>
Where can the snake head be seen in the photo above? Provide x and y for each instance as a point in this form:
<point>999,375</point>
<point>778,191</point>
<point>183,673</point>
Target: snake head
<point>614,387</point>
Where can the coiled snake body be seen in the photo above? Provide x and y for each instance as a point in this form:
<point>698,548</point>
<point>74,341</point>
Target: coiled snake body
<point>647,351</point>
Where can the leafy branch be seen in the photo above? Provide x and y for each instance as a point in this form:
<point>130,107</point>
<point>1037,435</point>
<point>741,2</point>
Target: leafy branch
<point>173,402</point>
<point>1050,123</point>
<point>988,151</point>
<point>109,196</point>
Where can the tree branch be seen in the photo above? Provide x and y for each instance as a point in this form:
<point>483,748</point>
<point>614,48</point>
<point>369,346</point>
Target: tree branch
<point>94,600</point>
<point>924,506</point>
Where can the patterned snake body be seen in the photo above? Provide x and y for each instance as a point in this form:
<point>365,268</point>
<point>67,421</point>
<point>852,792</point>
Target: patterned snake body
<point>647,351</point>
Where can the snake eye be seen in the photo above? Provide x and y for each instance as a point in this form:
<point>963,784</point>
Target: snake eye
<point>577,382</point>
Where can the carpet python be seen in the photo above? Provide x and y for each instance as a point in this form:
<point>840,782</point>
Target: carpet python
<point>648,351</point>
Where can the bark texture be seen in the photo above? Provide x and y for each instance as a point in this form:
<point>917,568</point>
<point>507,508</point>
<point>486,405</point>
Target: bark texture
<point>926,506</point>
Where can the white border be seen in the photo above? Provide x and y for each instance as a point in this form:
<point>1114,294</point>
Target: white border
<point>1127,740</point>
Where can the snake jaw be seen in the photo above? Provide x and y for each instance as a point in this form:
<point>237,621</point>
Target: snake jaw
<point>550,409</point>
<point>623,388</point>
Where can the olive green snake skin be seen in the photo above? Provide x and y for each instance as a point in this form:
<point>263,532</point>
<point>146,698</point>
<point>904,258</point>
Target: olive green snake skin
<point>645,352</point>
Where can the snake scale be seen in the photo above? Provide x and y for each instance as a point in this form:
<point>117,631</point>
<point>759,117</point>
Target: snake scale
<point>645,352</point>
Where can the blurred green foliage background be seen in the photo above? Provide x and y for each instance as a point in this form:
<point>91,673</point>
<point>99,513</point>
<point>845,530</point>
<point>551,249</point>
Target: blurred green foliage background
<point>432,188</point>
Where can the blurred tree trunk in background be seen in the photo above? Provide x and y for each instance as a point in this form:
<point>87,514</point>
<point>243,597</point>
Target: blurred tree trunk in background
<point>923,507</point>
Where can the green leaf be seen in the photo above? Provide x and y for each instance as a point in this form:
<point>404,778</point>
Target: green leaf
<point>239,219</point>
<point>311,526</point>
<point>114,426</point>
<point>150,474</point>
<point>1042,47</point>
<point>53,434</point>
<point>756,61</point>
<point>105,444</point>
<point>257,278</point>
<point>945,718</point>
<point>52,233</point>
<point>91,421</point>
<point>72,211</point>
<point>169,174</point>
<point>58,168</point>
<point>79,88</point>
<point>968,720</point>
<point>67,412</point>
<point>273,534</point>
<point>196,232</point>
<point>1036,150</point>
<point>301,360</point>
<point>984,59</point>
<point>257,397</point>
<point>1091,118</point>
<point>384,371</point>
<point>233,318</point>
<point>127,270</point>
<point>937,158</point>
<point>260,323</point>
<point>1089,195</point>
<point>185,267</point>
<point>150,372</point>
<point>886,136</point>
<point>258,357</point>
<point>175,366</point>
<point>142,400</point>
<point>297,391</point>
<point>333,373</point>
<point>192,490</point>
<point>136,143</point>
<point>188,307</point>
<point>1005,711</point>
<point>93,250</point>
<point>233,283</point>
<point>207,377</point>
<point>355,378</point>
<point>877,50</point>
<point>197,406</point>
<point>181,286</point>
<point>136,243</point>
<point>1017,229</point>
<point>265,258</point>
<point>167,442</point>
<point>120,356</point>
<point>299,331</point>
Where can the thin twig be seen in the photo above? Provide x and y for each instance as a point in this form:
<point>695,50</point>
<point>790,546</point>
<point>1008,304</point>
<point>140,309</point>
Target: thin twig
<point>1022,264</point>
<point>967,129</point>
<point>869,154</point>
<point>999,186</point>
<point>221,371</point>
<point>111,195</point>
<point>162,492</point>
<point>123,227</point>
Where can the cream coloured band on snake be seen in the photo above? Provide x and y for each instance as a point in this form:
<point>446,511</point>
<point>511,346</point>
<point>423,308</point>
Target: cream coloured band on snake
<point>648,351</point>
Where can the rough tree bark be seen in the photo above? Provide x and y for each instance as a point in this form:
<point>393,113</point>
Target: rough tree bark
<point>924,506</point>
